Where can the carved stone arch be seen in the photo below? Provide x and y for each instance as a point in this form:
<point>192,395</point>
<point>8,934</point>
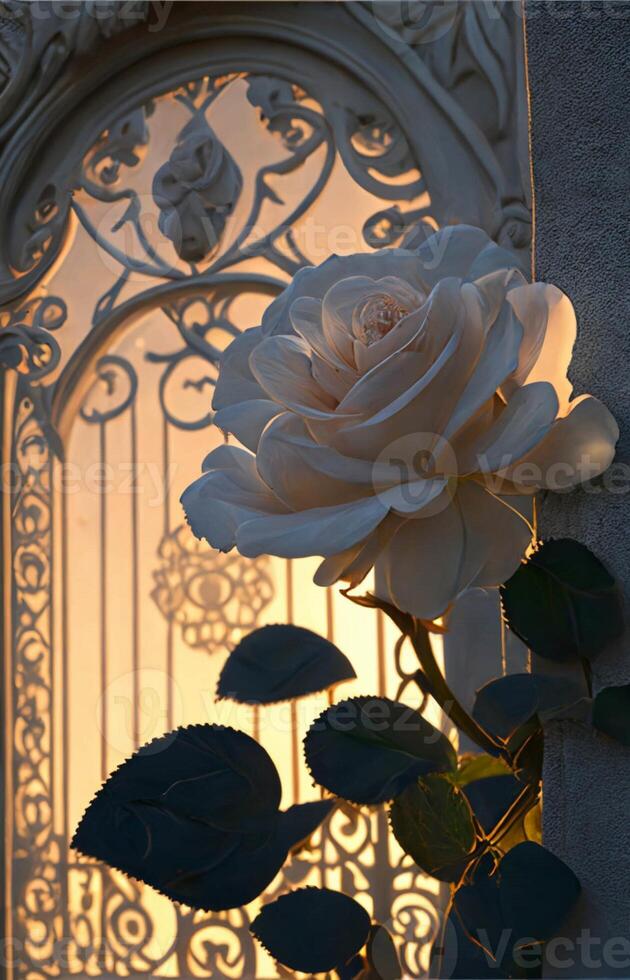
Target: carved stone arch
<point>42,154</point>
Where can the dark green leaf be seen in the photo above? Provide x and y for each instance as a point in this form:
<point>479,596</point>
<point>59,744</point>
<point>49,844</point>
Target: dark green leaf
<point>368,749</point>
<point>205,772</point>
<point>472,767</point>
<point>563,603</point>
<point>505,704</point>
<point>301,820</point>
<point>381,955</point>
<point>611,713</point>
<point>490,798</point>
<point>354,968</point>
<point>479,910</point>
<point>432,822</point>
<point>536,891</point>
<point>525,901</point>
<point>457,957</point>
<point>276,663</point>
<point>195,815</point>
<point>228,881</point>
<point>313,930</point>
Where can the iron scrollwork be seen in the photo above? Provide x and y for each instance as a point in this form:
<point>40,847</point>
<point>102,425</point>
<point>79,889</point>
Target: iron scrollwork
<point>38,851</point>
<point>117,379</point>
<point>205,325</point>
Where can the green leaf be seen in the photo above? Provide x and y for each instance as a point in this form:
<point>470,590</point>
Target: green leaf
<point>355,967</point>
<point>505,704</point>
<point>381,955</point>
<point>195,815</point>
<point>432,821</point>
<point>313,929</point>
<point>491,798</point>
<point>563,603</point>
<point>459,958</point>
<point>472,767</point>
<point>277,663</point>
<point>477,905</point>
<point>611,713</point>
<point>536,892</point>
<point>523,902</point>
<point>298,824</point>
<point>368,749</point>
<point>208,773</point>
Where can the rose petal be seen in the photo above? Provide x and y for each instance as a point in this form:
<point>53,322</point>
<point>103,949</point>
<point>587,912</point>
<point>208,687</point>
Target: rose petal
<point>549,332</point>
<point>434,329</point>
<point>229,492</point>
<point>577,448</point>
<point>498,360</point>
<point>306,318</point>
<point>317,280</point>
<point>246,420</point>
<point>305,474</point>
<point>494,257</point>
<point>418,570</point>
<point>493,289</point>
<point>333,381</point>
<point>337,308</point>
<point>424,406</point>
<point>320,531</point>
<point>520,426</point>
<point>475,540</point>
<point>405,331</point>
<point>283,368</point>
<point>236,383</point>
<point>498,533</point>
<point>464,251</point>
<point>353,564</point>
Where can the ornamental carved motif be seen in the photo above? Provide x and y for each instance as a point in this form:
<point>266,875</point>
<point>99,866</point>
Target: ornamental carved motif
<point>196,190</point>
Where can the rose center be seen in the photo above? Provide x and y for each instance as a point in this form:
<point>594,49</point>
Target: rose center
<point>374,318</point>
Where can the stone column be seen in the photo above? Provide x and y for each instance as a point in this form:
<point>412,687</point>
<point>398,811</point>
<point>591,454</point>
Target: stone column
<point>580,131</point>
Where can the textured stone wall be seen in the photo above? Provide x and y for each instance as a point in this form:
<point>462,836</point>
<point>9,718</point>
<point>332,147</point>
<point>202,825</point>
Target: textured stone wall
<point>579,83</point>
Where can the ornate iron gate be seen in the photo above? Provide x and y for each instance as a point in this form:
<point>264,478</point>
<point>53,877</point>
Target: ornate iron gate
<point>160,180</point>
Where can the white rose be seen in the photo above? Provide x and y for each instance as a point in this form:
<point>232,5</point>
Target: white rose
<point>398,408</point>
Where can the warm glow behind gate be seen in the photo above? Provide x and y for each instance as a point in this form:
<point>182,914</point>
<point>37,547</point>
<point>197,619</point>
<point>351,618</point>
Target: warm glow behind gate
<point>137,617</point>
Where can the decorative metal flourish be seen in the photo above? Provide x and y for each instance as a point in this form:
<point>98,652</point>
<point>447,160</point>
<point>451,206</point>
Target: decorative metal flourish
<point>214,598</point>
<point>205,325</point>
<point>37,884</point>
<point>122,145</point>
<point>26,344</point>
<point>278,100</point>
<point>117,379</point>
